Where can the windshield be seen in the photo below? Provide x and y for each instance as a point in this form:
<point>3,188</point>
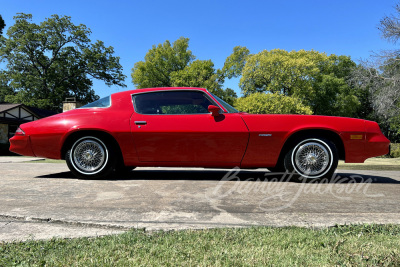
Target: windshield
<point>104,102</point>
<point>228,107</point>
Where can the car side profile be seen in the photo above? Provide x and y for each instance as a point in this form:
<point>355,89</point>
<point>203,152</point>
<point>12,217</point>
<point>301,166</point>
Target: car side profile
<point>190,127</point>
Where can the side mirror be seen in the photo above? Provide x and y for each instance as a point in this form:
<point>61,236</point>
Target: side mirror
<point>214,110</point>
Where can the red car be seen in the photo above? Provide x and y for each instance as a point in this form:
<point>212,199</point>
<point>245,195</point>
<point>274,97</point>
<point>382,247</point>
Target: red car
<point>190,127</point>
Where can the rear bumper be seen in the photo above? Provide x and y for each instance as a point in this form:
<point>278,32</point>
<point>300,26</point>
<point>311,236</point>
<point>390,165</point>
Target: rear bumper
<point>21,145</point>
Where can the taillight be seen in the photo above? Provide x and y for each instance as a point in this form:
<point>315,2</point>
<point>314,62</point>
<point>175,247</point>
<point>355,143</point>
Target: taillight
<point>19,132</point>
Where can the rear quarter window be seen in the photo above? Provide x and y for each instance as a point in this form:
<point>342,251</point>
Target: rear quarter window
<point>104,102</point>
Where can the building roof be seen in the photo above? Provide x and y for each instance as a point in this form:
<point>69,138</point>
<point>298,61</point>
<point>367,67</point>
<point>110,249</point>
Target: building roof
<point>41,113</point>
<point>8,106</point>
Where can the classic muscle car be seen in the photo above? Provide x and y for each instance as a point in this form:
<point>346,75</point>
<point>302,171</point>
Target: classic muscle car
<point>190,127</point>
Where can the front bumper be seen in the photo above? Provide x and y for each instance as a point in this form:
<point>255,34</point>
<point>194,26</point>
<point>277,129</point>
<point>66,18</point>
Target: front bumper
<point>376,145</point>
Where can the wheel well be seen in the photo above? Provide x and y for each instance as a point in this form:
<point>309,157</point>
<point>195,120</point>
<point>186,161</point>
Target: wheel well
<point>330,135</point>
<point>99,134</point>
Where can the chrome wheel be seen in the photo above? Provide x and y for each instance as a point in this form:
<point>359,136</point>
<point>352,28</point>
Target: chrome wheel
<point>312,158</point>
<point>89,155</point>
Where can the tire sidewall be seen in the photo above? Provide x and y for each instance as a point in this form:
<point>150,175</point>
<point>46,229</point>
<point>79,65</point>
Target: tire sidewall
<point>102,172</point>
<point>290,162</point>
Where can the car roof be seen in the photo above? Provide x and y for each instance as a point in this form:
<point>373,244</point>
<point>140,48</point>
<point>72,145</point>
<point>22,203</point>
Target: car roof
<point>136,91</point>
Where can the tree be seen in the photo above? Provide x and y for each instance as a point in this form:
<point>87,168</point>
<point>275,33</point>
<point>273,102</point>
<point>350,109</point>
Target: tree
<point>379,77</point>
<point>2,25</point>
<point>234,64</point>
<point>318,80</point>
<point>4,88</point>
<point>262,103</point>
<point>201,73</point>
<point>55,59</point>
<point>160,62</point>
<point>166,66</point>
<point>334,94</point>
<point>378,83</point>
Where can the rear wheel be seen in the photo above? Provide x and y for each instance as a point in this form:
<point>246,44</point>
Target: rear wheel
<point>90,157</point>
<point>312,158</point>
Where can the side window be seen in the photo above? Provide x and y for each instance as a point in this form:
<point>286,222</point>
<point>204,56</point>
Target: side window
<point>172,102</point>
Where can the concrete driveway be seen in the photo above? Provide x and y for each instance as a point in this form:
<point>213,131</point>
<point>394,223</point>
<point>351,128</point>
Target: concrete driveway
<point>44,200</point>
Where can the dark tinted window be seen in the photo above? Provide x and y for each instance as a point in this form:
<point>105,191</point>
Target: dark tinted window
<point>172,102</point>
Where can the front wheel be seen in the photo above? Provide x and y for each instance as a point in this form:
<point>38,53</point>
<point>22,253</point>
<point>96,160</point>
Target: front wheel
<point>90,157</point>
<point>312,158</point>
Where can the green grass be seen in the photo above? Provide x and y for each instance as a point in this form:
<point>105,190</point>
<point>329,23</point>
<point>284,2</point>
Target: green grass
<point>382,164</point>
<point>367,245</point>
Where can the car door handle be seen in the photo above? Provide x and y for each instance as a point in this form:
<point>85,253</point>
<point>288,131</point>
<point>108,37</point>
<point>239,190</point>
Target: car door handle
<point>140,122</point>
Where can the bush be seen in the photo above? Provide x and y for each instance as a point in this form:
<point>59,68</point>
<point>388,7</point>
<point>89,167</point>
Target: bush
<point>261,103</point>
<point>394,150</point>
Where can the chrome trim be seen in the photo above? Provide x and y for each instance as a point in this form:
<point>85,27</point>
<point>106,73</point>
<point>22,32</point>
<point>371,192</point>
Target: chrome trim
<point>90,157</point>
<point>318,155</point>
<point>265,135</point>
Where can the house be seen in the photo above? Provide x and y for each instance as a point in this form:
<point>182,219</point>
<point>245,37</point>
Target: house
<point>12,115</point>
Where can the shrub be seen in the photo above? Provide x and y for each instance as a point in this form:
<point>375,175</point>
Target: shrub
<point>395,150</point>
<point>261,103</point>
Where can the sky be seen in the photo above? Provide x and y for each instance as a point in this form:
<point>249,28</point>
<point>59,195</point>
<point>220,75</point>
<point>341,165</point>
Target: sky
<point>341,27</point>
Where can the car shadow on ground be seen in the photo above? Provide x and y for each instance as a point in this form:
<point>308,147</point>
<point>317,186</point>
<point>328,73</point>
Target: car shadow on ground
<point>232,175</point>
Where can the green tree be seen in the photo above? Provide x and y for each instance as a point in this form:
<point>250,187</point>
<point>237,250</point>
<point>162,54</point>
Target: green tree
<point>2,25</point>
<point>271,103</point>
<point>334,94</point>
<point>160,62</point>
<point>4,88</point>
<point>201,73</point>
<point>234,64</point>
<point>167,65</point>
<point>55,59</point>
<point>318,80</point>
<point>378,79</point>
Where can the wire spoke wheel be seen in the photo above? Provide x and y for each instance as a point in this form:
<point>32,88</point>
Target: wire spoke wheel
<point>89,155</point>
<point>312,158</point>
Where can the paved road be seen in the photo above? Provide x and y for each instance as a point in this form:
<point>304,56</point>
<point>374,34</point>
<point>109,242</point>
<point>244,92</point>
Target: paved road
<point>42,200</point>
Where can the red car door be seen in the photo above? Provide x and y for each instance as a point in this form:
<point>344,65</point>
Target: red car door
<point>175,126</point>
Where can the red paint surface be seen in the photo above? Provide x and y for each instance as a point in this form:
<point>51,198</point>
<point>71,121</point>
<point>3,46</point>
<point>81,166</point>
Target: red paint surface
<point>232,139</point>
